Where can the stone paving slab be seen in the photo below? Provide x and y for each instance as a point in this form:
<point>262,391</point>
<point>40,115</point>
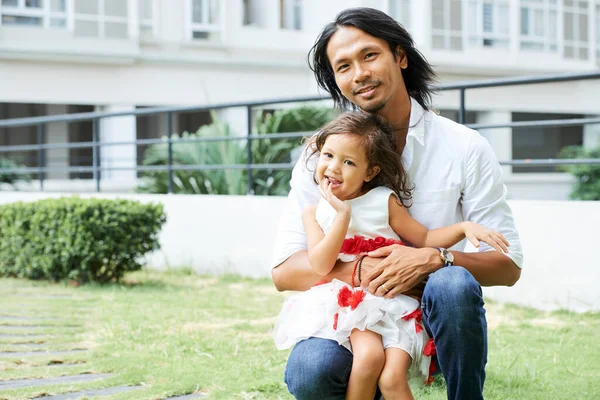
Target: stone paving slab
<point>26,383</point>
<point>26,327</point>
<point>34,295</point>
<point>36,326</point>
<point>39,353</point>
<point>27,345</point>
<point>21,318</point>
<point>91,392</point>
<point>24,335</point>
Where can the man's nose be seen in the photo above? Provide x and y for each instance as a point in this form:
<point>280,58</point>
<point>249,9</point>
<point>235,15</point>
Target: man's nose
<point>361,74</point>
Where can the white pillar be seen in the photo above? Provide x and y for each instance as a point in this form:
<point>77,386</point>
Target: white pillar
<point>236,118</point>
<point>57,132</point>
<point>118,129</point>
<point>499,138</point>
<point>591,134</point>
<point>419,25</point>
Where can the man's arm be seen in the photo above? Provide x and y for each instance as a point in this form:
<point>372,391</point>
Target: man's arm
<point>404,268</point>
<point>296,273</point>
<point>484,202</point>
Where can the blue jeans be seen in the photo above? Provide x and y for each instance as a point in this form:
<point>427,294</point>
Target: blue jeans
<point>453,315</point>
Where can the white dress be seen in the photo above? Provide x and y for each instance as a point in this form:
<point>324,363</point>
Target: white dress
<point>323,311</point>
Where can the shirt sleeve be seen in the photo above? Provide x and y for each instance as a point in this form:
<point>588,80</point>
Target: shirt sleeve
<point>484,196</point>
<point>290,236</point>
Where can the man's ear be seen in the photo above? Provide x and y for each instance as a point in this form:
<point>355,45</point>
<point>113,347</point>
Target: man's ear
<point>372,173</point>
<point>401,57</point>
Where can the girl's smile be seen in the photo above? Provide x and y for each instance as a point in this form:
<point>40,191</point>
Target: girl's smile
<point>343,164</point>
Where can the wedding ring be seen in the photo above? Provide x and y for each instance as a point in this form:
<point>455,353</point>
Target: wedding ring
<point>385,287</point>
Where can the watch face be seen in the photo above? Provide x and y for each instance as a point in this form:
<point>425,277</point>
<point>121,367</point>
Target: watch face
<point>448,256</point>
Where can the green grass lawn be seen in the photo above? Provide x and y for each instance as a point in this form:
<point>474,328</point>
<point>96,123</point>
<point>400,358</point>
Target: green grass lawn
<point>178,333</point>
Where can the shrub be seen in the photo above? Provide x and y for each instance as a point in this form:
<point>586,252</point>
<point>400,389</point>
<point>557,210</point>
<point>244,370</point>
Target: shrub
<point>587,175</point>
<point>274,151</point>
<point>229,181</point>
<point>233,181</point>
<point>11,178</point>
<point>81,239</point>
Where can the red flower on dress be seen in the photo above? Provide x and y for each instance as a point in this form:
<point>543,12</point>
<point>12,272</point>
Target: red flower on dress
<point>356,298</point>
<point>335,321</point>
<point>431,371</point>
<point>359,244</point>
<point>429,349</point>
<point>344,296</point>
<point>418,328</point>
<point>350,298</point>
<point>417,314</point>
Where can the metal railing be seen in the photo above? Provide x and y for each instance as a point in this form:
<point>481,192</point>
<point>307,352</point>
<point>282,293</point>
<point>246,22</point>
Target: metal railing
<point>249,166</point>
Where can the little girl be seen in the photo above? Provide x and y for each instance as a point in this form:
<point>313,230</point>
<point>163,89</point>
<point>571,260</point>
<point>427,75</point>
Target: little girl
<point>365,195</point>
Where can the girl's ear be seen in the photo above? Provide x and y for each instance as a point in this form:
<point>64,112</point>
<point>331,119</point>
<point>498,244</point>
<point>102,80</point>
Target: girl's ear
<point>372,173</point>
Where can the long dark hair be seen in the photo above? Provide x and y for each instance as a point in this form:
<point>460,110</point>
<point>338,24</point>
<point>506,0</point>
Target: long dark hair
<point>418,75</point>
<point>377,139</point>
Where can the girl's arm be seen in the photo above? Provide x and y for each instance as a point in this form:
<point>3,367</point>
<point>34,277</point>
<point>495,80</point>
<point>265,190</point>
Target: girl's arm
<point>412,231</point>
<point>323,250</point>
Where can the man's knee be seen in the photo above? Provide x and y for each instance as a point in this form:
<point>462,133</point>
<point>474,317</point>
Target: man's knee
<point>452,286</point>
<point>318,368</point>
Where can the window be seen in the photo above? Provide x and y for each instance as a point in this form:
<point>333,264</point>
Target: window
<point>489,23</point>
<point>146,18</point>
<point>101,18</point>
<point>575,29</point>
<point>598,32</point>
<point>446,18</point>
<point>290,14</point>
<point>539,19</point>
<point>542,142</point>
<point>254,13</point>
<point>41,13</point>
<point>400,11</point>
<point>204,18</point>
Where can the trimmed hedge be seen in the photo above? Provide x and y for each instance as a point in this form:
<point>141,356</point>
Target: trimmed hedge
<point>72,238</point>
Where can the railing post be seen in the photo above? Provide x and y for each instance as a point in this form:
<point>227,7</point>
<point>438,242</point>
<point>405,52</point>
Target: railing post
<point>41,153</point>
<point>249,144</point>
<point>170,151</point>
<point>95,152</point>
<point>461,110</point>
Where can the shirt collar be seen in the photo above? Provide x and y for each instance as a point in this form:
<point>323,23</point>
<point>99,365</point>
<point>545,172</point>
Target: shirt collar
<point>416,126</point>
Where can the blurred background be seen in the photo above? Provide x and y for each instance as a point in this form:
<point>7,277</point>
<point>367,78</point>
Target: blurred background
<point>125,97</point>
<point>122,56</point>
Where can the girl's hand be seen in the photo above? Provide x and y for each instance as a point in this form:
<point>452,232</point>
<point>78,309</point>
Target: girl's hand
<point>475,232</point>
<point>338,205</point>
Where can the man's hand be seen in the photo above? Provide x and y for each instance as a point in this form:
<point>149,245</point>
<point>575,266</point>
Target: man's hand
<point>402,271</point>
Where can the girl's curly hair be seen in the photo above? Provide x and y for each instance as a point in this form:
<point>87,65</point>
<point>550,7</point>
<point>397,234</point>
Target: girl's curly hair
<point>377,139</point>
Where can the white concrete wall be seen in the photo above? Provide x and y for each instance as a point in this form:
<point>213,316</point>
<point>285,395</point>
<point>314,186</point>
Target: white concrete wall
<point>234,234</point>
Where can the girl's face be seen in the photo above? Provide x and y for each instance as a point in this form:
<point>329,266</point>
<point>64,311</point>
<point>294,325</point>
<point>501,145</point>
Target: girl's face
<point>344,164</point>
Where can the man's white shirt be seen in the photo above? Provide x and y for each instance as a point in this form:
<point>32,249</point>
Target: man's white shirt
<point>455,174</point>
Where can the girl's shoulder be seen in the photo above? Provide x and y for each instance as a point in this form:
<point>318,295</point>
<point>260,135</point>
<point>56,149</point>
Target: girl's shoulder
<point>375,195</point>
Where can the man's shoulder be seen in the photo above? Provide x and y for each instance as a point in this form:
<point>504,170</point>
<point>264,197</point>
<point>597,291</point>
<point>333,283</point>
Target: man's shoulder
<point>450,128</point>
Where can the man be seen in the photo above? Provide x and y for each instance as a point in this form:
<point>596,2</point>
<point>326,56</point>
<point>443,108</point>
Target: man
<point>366,59</point>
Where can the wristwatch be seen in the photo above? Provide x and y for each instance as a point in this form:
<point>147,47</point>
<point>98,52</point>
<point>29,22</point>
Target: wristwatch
<point>446,256</point>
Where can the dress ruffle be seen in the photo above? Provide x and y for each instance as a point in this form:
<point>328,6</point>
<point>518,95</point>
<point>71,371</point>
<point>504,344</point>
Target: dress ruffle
<point>333,310</point>
<point>360,244</point>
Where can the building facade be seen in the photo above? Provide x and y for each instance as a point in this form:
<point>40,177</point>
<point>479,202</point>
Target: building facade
<point>65,56</point>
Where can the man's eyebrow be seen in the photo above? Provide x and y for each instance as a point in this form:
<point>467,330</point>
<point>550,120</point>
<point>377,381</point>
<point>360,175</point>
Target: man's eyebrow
<point>344,58</point>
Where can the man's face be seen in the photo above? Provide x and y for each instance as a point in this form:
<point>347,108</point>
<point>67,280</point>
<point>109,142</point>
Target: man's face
<point>365,69</point>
